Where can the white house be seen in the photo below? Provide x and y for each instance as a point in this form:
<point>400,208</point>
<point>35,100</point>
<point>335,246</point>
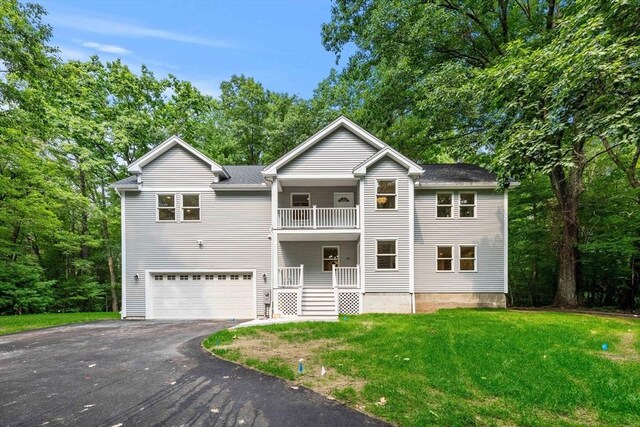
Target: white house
<point>343,223</point>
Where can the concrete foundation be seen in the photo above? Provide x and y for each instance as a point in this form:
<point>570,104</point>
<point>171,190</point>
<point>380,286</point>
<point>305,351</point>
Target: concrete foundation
<point>432,302</point>
<point>387,302</point>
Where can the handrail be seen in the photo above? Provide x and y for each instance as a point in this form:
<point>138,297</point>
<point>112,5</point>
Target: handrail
<point>346,277</point>
<point>315,217</point>
<point>290,277</point>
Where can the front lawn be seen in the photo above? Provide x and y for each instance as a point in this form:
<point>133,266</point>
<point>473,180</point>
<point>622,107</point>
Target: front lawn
<point>459,367</point>
<point>25,322</point>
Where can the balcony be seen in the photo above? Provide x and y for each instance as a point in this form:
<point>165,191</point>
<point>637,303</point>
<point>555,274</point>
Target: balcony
<point>315,218</point>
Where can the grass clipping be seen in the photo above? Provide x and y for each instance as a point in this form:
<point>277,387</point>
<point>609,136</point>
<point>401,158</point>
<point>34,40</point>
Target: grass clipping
<point>269,353</point>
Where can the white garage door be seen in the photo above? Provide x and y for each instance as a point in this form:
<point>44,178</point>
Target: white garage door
<point>213,295</point>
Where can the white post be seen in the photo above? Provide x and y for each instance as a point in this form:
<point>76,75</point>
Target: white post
<point>357,216</point>
<point>314,216</point>
<point>301,282</point>
<point>358,276</point>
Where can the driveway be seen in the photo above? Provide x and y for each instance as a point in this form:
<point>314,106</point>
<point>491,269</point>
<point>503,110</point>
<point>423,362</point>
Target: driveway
<point>116,373</point>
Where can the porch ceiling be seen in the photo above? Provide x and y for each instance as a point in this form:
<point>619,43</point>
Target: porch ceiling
<point>318,235</point>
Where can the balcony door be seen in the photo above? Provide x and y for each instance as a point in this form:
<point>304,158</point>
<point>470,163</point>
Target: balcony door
<point>343,200</point>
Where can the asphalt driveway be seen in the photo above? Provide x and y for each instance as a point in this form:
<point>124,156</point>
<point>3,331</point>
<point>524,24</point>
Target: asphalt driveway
<point>120,373</point>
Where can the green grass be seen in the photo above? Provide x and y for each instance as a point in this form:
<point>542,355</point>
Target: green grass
<point>464,367</point>
<point>26,322</point>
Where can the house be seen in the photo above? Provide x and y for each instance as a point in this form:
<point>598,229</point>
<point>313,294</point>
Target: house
<point>343,223</point>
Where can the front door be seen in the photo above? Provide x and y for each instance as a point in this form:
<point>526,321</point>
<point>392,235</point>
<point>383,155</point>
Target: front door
<point>343,200</point>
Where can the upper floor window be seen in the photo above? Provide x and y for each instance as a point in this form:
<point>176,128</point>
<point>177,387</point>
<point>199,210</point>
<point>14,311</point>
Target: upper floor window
<point>166,205</point>
<point>444,205</point>
<point>467,205</point>
<point>300,200</point>
<point>386,194</point>
<point>387,254</point>
<point>191,207</point>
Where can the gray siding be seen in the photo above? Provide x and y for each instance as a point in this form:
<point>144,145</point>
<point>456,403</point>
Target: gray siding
<point>322,197</point>
<point>292,254</point>
<point>177,168</point>
<point>386,224</point>
<point>486,231</point>
<point>234,228</point>
<point>337,154</point>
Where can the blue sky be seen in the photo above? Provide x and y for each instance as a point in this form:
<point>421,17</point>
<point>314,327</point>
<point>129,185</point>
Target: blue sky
<point>276,42</point>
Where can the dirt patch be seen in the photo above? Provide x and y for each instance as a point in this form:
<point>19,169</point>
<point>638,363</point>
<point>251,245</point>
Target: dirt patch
<point>625,350</point>
<point>266,346</point>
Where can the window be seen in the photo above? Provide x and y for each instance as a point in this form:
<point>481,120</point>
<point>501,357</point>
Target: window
<point>196,277</point>
<point>444,258</point>
<point>158,277</point>
<point>222,277</point>
<point>166,207</point>
<point>184,277</point>
<point>235,277</point>
<point>468,258</point>
<point>444,205</point>
<point>208,277</point>
<point>386,194</point>
<point>467,205</point>
<point>300,200</point>
<point>386,254</point>
<point>171,277</point>
<point>246,276</point>
<point>191,207</point>
<point>330,257</point>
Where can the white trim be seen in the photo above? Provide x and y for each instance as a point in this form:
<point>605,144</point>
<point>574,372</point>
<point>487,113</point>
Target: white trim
<point>123,257</point>
<point>272,169</point>
<point>412,167</point>
<point>453,257</point>
<point>323,258</point>
<point>411,248</point>
<point>182,207</point>
<point>453,211</point>
<point>147,285</point>
<point>136,167</point>
<point>475,205</point>
<point>319,230</point>
<point>387,239</point>
<point>475,257</point>
<point>456,186</point>
<point>240,187</point>
<point>299,194</point>
<point>506,242</point>
<point>175,207</point>
<point>177,189</point>
<point>316,176</point>
<point>375,195</point>
<point>362,263</point>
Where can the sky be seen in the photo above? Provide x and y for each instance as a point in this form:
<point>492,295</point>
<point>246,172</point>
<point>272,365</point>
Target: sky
<point>278,43</point>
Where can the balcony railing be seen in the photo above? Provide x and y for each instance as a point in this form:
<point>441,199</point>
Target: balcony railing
<point>318,218</point>
<point>291,277</point>
<point>346,277</point>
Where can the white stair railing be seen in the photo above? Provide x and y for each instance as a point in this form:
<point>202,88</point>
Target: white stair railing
<point>290,277</point>
<point>346,277</point>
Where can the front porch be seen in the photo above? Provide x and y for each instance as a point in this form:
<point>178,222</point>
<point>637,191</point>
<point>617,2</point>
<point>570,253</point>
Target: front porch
<point>317,279</point>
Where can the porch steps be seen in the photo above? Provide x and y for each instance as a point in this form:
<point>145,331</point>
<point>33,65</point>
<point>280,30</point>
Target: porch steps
<point>318,302</point>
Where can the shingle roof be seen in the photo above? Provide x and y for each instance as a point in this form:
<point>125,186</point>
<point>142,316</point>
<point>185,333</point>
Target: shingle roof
<point>128,182</point>
<point>456,173</point>
<point>243,175</point>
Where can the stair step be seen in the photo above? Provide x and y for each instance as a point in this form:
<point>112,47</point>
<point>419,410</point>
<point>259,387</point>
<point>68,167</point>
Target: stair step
<point>318,313</point>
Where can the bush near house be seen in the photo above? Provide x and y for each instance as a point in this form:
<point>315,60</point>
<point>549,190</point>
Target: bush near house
<point>459,367</point>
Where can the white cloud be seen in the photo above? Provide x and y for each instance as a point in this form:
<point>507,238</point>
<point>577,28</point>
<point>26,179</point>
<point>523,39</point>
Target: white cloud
<point>107,48</point>
<point>207,87</point>
<point>72,54</point>
<point>95,25</point>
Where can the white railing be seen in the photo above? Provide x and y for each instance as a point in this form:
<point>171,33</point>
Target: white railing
<point>346,277</point>
<point>290,277</point>
<point>316,217</point>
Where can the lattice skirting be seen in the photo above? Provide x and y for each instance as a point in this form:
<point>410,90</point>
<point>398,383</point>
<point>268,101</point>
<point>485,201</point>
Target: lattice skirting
<point>287,303</point>
<point>349,302</point>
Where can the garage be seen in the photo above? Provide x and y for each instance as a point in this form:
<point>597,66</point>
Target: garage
<point>201,295</point>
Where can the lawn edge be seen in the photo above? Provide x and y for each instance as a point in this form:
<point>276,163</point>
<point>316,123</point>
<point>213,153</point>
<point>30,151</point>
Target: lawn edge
<point>291,383</point>
<point>56,326</point>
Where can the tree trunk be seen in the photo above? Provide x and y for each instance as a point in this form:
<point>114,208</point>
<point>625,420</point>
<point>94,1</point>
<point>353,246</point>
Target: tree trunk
<point>84,219</point>
<point>567,190</point>
<point>112,277</point>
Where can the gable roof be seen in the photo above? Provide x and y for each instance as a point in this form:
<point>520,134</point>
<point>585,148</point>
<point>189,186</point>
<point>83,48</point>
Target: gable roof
<point>128,182</point>
<point>414,168</point>
<point>242,177</point>
<point>136,167</point>
<point>341,121</point>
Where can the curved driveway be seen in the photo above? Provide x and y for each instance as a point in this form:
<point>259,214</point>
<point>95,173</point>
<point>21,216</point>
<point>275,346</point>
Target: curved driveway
<point>115,373</point>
